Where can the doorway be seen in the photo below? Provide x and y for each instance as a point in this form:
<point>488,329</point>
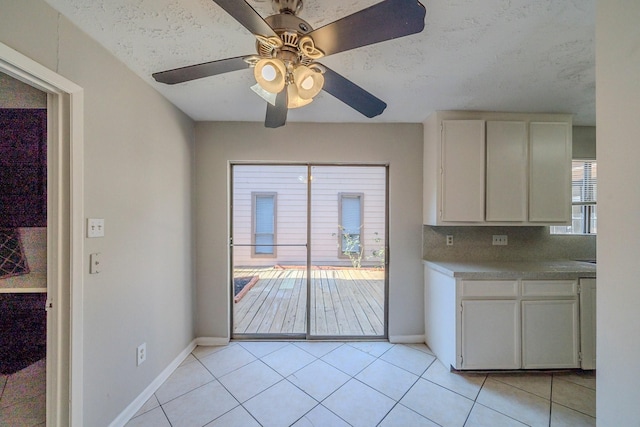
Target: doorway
<point>23,252</point>
<point>64,231</point>
<point>308,251</point>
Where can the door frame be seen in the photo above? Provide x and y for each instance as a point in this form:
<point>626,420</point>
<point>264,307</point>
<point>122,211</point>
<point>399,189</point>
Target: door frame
<point>307,335</point>
<point>65,141</point>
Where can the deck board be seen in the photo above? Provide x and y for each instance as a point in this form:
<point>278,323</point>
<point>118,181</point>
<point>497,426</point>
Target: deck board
<point>345,302</point>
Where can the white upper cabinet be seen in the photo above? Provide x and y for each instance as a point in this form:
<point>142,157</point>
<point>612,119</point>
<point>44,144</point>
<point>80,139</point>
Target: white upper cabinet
<point>506,184</point>
<point>497,169</point>
<point>550,172</point>
<point>463,170</point>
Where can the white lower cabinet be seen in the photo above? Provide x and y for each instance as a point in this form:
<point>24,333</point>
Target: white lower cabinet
<point>507,324</point>
<point>537,328</point>
<point>490,334</point>
<point>588,323</point>
<point>550,334</point>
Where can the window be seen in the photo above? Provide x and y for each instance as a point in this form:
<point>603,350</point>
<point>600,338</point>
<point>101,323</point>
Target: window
<point>584,196</point>
<point>264,224</point>
<point>350,206</point>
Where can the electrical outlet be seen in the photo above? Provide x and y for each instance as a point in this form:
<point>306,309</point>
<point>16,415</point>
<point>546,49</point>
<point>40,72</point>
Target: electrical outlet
<point>141,354</point>
<point>94,264</point>
<point>499,239</point>
<point>449,239</point>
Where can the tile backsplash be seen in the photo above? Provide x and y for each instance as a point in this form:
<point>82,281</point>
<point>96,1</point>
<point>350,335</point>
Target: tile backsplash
<point>524,244</point>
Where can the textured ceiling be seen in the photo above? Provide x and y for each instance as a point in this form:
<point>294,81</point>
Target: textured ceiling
<point>498,55</point>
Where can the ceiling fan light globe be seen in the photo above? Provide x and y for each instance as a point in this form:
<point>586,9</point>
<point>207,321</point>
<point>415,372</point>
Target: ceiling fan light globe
<point>270,73</point>
<point>294,99</point>
<point>308,82</point>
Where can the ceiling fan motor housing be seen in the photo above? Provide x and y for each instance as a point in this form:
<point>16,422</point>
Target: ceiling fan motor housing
<point>285,22</point>
<point>291,30</point>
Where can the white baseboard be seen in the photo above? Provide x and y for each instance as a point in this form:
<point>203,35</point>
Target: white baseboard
<point>406,339</point>
<point>135,406</point>
<point>211,341</point>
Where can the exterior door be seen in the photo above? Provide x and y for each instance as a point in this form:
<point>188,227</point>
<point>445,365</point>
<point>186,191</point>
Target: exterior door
<point>308,251</point>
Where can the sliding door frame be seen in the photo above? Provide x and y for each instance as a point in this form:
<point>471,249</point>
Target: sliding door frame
<point>307,334</point>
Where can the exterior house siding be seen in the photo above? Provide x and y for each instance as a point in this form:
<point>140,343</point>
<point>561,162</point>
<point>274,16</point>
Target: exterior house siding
<point>290,185</point>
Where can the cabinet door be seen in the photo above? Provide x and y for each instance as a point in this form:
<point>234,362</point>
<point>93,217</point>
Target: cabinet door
<point>550,172</point>
<point>588,323</point>
<point>506,171</point>
<point>463,160</point>
<point>550,334</point>
<point>490,334</point>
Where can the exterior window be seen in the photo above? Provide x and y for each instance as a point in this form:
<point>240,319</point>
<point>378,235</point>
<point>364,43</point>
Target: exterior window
<point>264,224</point>
<point>350,206</point>
<point>584,196</point>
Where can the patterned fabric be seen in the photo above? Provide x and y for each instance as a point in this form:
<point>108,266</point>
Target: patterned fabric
<point>12,259</point>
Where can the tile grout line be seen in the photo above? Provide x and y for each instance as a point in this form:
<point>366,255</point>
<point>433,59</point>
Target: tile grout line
<point>406,392</point>
<point>350,376</point>
<point>475,400</point>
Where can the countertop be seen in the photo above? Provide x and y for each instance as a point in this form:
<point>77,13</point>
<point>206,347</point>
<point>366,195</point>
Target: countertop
<point>561,269</point>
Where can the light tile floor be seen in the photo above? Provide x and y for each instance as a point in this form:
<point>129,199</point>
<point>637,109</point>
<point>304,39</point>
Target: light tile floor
<point>306,384</point>
<point>23,397</point>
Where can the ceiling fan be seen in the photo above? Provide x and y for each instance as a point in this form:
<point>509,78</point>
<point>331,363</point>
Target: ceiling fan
<point>285,65</point>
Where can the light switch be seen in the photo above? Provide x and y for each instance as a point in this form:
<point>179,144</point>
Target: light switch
<point>95,227</point>
<point>95,266</point>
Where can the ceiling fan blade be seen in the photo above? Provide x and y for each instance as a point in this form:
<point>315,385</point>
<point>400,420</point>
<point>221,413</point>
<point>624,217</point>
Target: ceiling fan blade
<point>352,94</point>
<point>387,20</point>
<point>247,16</point>
<point>206,69</point>
<point>277,115</point>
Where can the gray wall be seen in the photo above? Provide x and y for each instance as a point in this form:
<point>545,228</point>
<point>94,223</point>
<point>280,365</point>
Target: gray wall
<point>584,142</point>
<point>400,145</point>
<point>138,162</point>
<point>618,130</point>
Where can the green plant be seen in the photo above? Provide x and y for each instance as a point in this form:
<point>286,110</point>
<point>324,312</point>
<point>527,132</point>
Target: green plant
<point>379,255</point>
<point>351,246</point>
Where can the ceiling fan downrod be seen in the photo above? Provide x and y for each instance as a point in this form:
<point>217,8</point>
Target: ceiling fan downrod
<point>292,7</point>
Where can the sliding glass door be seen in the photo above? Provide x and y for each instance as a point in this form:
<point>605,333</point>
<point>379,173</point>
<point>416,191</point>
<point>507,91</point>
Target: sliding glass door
<point>308,251</point>
<point>348,241</point>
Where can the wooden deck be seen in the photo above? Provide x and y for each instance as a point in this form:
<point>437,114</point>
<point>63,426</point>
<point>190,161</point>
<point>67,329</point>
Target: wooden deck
<point>344,302</point>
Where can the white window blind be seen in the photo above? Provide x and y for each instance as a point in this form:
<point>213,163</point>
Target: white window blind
<point>264,226</point>
<point>583,183</point>
<point>584,194</point>
<point>350,220</point>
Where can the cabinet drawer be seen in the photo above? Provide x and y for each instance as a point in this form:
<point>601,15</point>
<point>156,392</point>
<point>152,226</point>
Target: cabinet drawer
<point>549,288</point>
<point>489,288</point>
